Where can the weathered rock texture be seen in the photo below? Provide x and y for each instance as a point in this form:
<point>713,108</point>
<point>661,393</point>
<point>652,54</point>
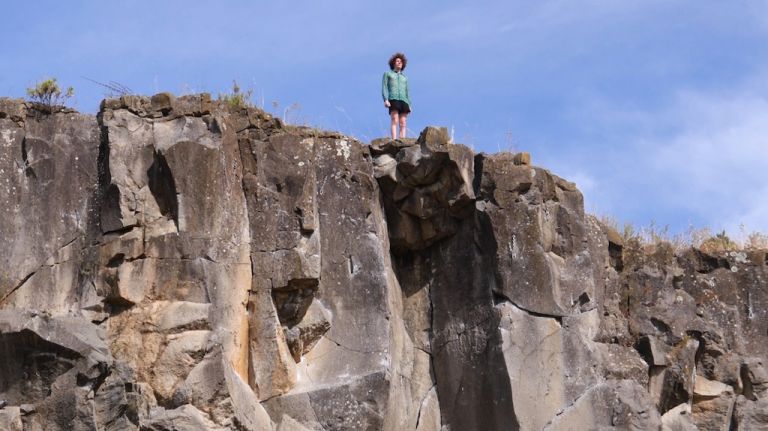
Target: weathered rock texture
<point>182,264</point>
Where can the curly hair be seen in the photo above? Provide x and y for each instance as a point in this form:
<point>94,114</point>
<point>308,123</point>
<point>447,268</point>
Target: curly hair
<point>394,57</point>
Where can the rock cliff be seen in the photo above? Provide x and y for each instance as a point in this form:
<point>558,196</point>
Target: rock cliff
<point>182,264</point>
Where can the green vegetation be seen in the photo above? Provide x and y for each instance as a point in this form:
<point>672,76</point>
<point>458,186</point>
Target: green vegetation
<point>49,94</point>
<point>237,98</point>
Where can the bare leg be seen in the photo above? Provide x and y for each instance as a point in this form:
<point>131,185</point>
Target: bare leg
<point>393,125</point>
<point>403,127</point>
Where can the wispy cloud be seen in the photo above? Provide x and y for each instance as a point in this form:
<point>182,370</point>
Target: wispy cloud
<point>719,158</point>
<point>702,157</point>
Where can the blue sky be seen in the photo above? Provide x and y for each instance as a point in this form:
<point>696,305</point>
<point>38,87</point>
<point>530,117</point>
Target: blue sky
<point>658,110</point>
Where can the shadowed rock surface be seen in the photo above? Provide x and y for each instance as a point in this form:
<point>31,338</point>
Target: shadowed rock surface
<point>182,264</point>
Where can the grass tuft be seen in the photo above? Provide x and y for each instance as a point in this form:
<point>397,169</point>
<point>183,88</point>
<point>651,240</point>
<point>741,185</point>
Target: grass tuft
<point>238,98</point>
<point>48,93</point>
<point>652,237</point>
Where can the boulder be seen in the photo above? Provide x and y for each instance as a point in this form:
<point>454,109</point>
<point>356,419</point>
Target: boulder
<point>541,237</point>
<point>674,384</point>
<point>10,419</point>
<point>678,419</point>
<point>427,186</point>
<point>754,376</point>
<point>713,404</point>
<point>751,415</point>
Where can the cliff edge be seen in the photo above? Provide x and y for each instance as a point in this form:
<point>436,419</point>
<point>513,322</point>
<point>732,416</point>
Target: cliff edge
<point>183,264</point>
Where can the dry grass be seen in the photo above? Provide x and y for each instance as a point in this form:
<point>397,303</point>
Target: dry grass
<point>703,238</point>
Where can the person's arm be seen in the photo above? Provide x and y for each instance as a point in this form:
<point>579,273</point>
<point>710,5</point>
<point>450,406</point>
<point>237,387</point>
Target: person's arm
<point>408,95</point>
<point>385,88</point>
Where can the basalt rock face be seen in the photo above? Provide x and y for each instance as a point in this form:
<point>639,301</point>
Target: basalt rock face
<point>183,264</point>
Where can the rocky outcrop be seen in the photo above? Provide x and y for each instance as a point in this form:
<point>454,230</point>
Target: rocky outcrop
<point>185,264</point>
<point>426,185</point>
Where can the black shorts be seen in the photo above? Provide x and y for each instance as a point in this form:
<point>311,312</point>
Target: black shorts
<point>399,106</point>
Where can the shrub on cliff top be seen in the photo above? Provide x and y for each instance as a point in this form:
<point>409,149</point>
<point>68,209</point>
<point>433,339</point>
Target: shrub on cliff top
<point>49,94</point>
<point>237,98</point>
<point>720,242</point>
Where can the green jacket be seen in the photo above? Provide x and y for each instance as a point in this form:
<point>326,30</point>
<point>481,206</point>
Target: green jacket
<point>394,86</point>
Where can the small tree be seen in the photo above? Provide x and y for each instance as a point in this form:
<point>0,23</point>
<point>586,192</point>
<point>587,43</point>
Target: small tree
<point>48,93</point>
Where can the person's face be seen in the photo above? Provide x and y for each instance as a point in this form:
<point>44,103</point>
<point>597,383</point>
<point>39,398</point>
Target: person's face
<point>398,64</point>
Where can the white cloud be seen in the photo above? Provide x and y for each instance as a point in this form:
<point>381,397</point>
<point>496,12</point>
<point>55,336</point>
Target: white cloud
<point>703,155</point>
<point>720,156</point>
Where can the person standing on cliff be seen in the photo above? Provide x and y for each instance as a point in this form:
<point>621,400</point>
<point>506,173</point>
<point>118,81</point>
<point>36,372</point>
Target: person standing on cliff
<point>394,90</point>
